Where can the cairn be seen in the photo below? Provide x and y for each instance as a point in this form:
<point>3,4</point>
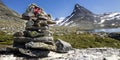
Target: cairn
<point>36,40</point>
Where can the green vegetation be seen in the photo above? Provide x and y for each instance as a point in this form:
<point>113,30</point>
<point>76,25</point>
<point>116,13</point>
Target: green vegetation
<point>83,40</point>
<point>89,40</point>
<point>5,39</point>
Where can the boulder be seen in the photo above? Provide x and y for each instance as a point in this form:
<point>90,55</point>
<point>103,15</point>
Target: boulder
<point>40,45</point>
<point>114,35</point>
<point>62,46</point>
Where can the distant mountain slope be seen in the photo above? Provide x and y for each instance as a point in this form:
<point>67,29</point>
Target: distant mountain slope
<point>4,10</point>
<point>10,21</point>
<point>110,19</point>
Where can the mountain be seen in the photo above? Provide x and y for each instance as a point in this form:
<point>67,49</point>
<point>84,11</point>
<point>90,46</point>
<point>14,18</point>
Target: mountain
<point>10,21</point>
<point>85,19</point>
<point>80,16</point>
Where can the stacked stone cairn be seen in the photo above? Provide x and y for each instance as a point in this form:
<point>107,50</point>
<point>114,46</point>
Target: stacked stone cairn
<point>37,40</point>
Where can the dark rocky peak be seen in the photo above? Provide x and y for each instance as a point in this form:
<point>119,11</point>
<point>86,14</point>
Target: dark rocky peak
<point>77,6</point>
<point>80,9</point>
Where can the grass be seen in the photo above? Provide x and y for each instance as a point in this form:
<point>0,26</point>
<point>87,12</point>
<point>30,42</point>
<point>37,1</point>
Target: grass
<point>5,39</point>
<point>84,40</point>
<point>89,41</point>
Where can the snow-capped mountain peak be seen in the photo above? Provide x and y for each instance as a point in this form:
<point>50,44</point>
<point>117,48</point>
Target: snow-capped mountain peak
<point>79,14</point>
<point>83,18</point>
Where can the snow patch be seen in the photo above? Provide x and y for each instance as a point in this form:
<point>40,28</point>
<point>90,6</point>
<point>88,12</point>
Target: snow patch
<point>113,24</point>
<point>68,23</point>
<point>113,14</point>
<point>60,20</point>
<point>66,20</point>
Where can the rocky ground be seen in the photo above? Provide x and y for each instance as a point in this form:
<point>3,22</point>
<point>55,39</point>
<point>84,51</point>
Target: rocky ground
<point>76,54</point>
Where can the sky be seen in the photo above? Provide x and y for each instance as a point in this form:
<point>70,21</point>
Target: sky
<point>63,8</point>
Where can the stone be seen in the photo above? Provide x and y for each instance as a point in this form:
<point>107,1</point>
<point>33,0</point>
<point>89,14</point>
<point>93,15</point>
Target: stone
<point>47,33</point>
<point>27,15</point>
<point>40,45</point>
<point>34,53</point>
<point>51,22</point>
<point>114,35</point>
<point>32,34</point>
<point>28,39</point>
<point>18,34</point>
<point>42,18</point>
<point>45,28</point>
<point>29,23</point>
<point>32,28</point>
<point>44,39</point>
<point>63,46</point>
<point>42,23</point>
<point>21,41</point>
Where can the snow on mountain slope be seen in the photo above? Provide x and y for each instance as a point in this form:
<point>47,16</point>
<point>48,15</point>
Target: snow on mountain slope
<point>109,16</point>
<point>59,20</point>
<point>65,21</point>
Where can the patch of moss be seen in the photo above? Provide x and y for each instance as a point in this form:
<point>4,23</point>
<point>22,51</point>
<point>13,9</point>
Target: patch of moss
<point>5,38</point>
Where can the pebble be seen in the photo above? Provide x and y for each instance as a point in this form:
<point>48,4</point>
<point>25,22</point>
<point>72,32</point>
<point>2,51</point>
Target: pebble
<point>77,54</point>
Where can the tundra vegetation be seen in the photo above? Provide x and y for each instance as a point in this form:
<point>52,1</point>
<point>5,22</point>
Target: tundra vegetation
<point>82,40</point>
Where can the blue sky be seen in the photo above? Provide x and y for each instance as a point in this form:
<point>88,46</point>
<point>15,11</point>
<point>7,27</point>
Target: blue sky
<point>63,8</point>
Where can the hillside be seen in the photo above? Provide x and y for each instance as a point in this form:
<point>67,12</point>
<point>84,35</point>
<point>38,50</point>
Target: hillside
<point>10,21</point>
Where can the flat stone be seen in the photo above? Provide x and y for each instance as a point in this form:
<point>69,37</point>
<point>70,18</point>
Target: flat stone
<point>40,45</point>
<point>34,53</point>
<point>28,39</point>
